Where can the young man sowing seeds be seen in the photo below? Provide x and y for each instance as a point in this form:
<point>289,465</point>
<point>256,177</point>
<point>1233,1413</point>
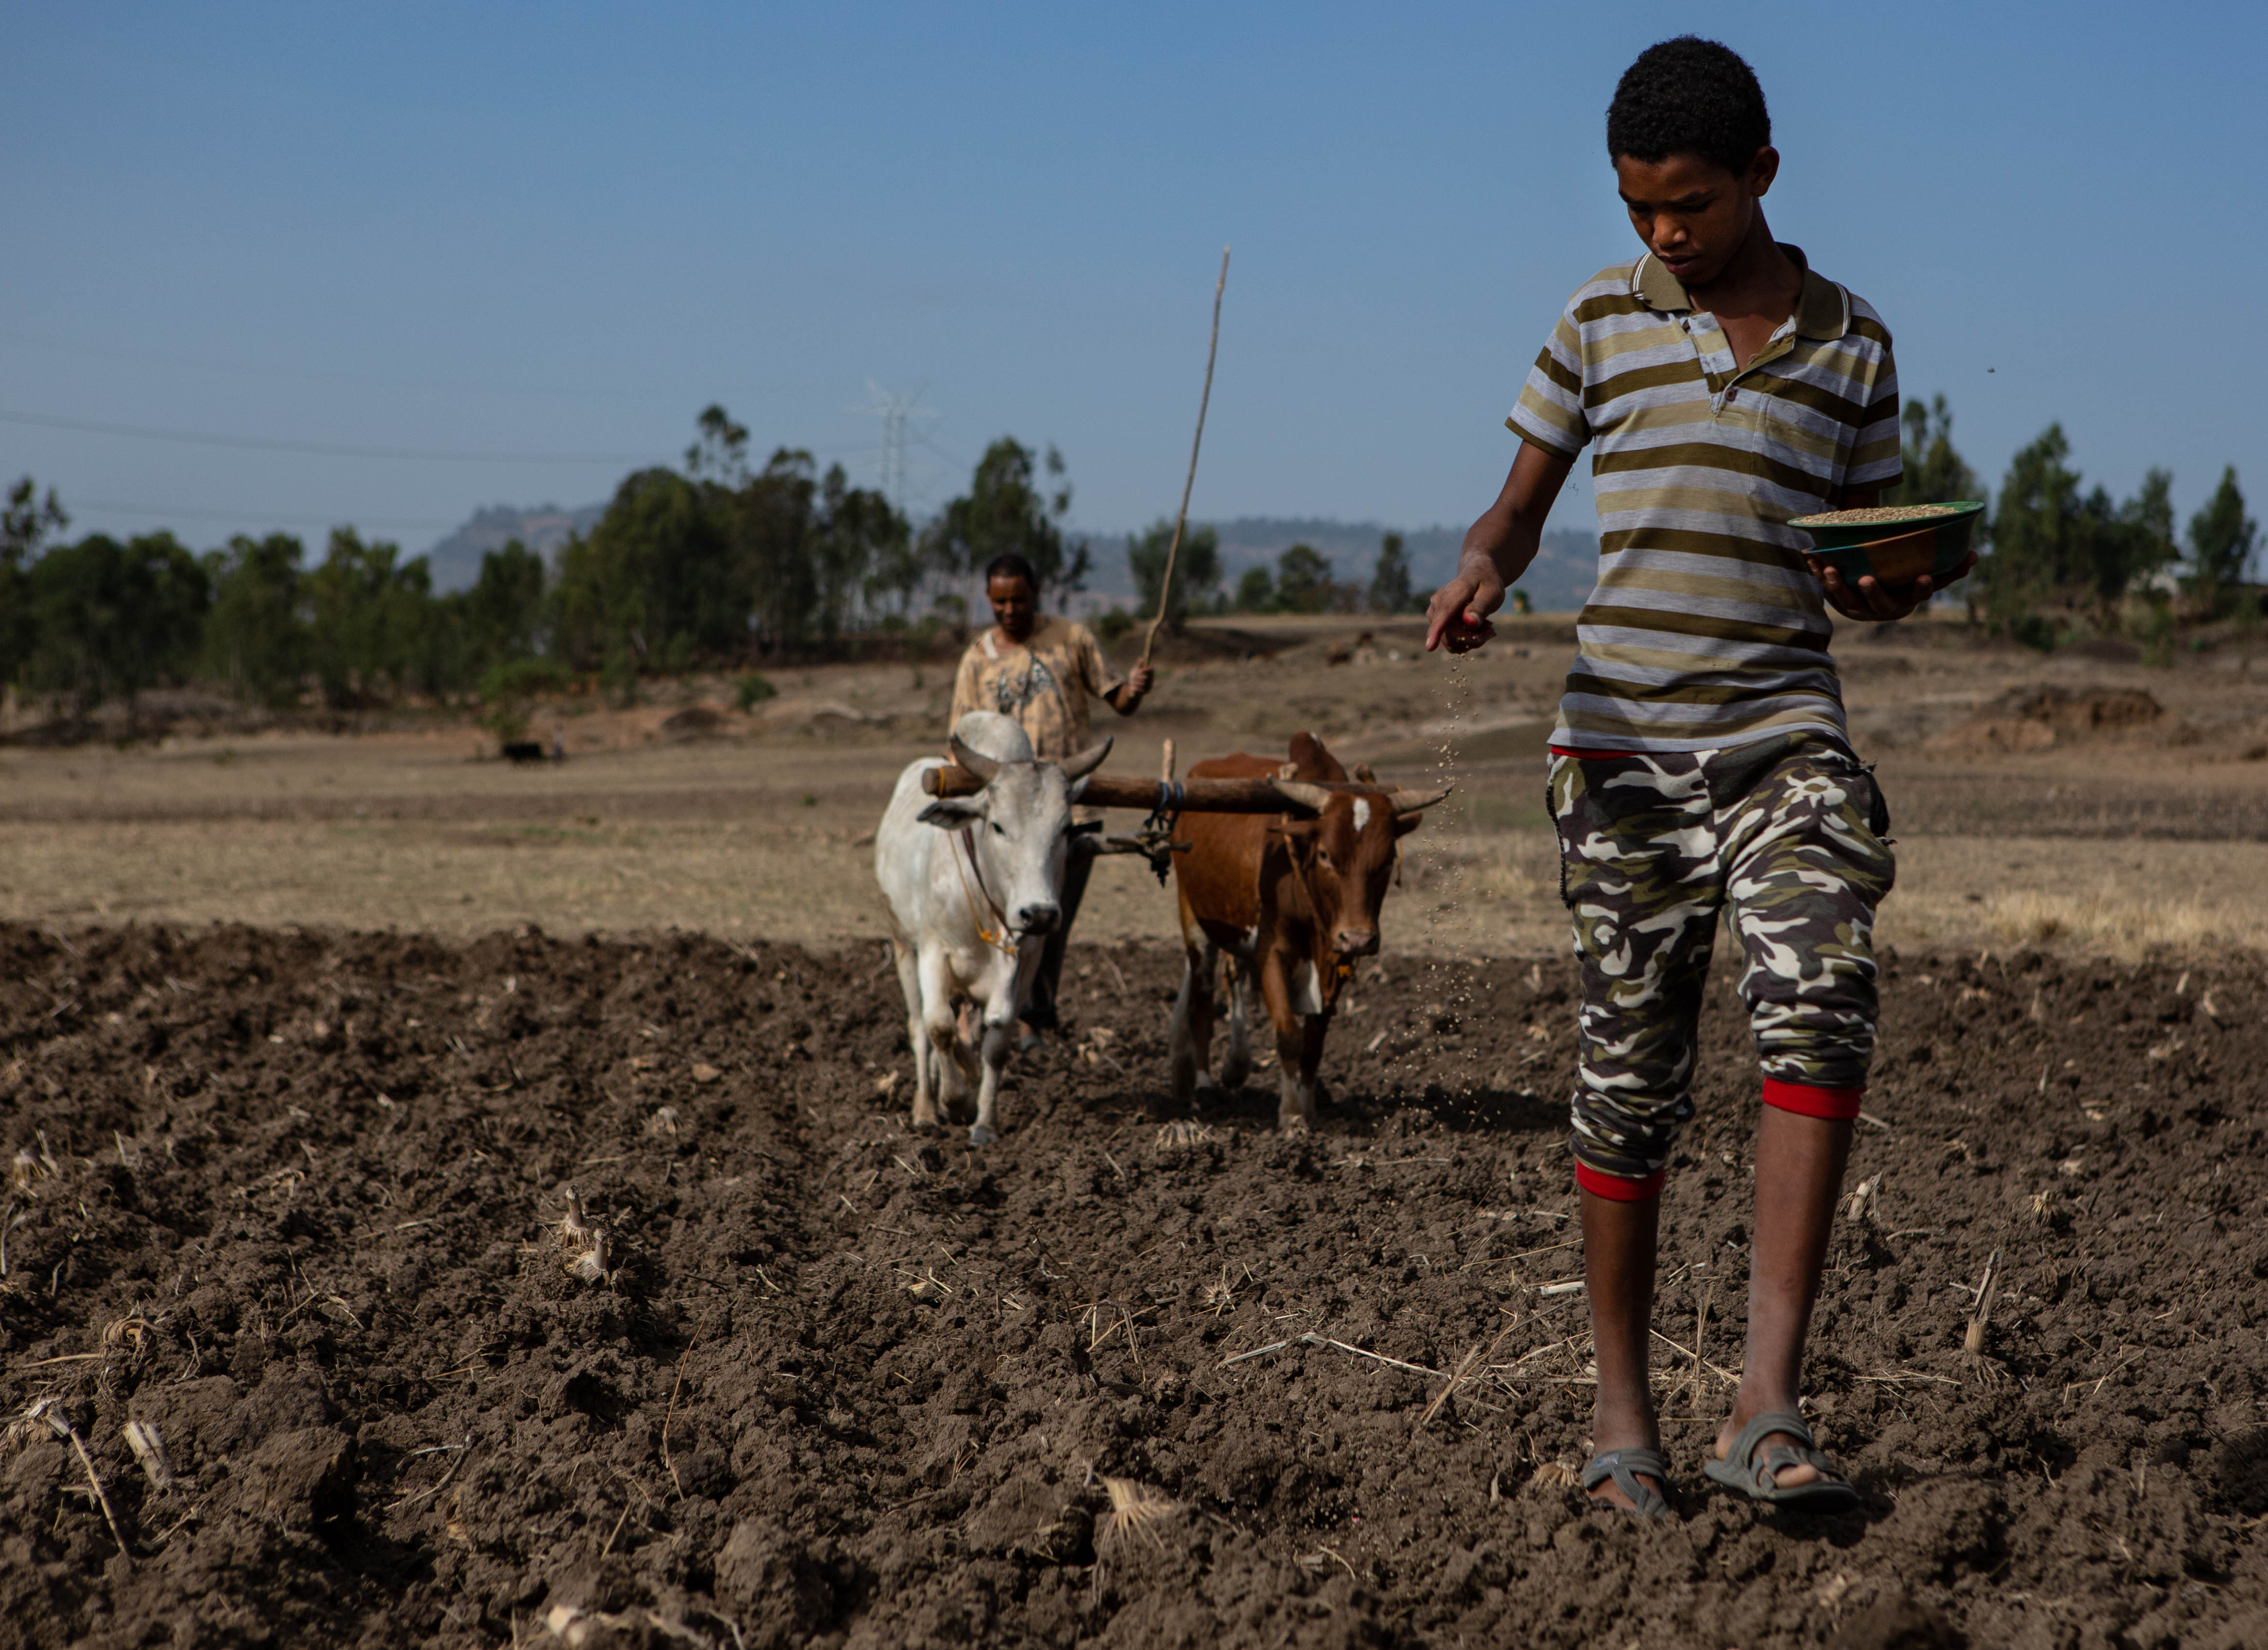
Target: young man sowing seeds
<point>1700,766</point>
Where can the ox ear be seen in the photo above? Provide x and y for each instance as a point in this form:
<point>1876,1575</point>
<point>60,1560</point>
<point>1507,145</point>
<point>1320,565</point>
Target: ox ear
<point>1085,763</point>
<point>1404,824</point>
<point>952,814</point>
<point>982,766</point>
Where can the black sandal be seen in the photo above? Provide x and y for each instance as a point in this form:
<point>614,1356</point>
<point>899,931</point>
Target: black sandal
<point>1624,1466</point>
<point>1758,1478</point>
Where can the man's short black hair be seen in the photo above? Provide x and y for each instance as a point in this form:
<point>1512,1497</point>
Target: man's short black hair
<point>1012,566</point>
<point>1689,97</point>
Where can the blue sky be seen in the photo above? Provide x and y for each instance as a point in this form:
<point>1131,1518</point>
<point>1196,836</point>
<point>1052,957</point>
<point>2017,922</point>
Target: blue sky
<point>560,230</point>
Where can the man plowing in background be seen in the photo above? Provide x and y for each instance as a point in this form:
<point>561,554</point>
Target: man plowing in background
<point>1041,670</point>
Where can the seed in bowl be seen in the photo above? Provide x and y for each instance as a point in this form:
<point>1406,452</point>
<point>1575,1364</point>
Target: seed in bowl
<point>1875,513</point>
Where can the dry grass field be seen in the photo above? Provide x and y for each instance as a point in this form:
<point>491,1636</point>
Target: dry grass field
<point>2035,804</point>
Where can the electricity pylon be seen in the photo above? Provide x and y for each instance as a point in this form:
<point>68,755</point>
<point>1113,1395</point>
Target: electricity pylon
<point>896,409</point>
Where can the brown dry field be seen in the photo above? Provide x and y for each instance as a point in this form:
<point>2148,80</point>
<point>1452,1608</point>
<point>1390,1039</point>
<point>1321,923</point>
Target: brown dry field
<point>2010,831</point>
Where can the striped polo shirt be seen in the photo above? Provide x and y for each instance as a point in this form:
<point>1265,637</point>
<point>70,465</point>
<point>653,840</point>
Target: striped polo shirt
<point>1706,629</point>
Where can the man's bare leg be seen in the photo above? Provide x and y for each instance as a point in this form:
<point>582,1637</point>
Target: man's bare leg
<point>1618,1262</point>
<point>1800,1163</point>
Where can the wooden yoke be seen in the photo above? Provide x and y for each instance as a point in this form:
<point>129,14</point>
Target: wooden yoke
<point>1187,796</point>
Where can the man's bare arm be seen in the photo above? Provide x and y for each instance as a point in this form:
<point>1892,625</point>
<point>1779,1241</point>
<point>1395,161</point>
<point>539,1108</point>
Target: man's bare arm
<point>1498,548</point>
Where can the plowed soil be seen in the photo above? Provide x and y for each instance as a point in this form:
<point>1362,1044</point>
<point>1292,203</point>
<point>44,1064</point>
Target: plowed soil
<point>294,1202</point>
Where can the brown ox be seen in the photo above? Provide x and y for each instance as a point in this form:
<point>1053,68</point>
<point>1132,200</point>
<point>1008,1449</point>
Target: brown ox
<point>1292,899</point>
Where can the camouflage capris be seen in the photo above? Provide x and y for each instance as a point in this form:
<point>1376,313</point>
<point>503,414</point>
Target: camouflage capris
<point>1789,833</point>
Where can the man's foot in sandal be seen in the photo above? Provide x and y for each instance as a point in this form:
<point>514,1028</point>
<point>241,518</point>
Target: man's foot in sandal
<point>1774,1458</point>
<point>1640,1477</point>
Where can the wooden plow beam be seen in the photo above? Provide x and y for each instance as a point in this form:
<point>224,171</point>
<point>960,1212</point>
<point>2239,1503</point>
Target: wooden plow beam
<point>1168,796</point>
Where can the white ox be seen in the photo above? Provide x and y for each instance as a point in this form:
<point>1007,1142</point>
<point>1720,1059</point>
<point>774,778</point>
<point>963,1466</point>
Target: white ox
<point>975,886</point>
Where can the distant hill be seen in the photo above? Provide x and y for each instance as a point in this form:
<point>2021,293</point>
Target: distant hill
<point>1558,581</point>
<point>457,559</point>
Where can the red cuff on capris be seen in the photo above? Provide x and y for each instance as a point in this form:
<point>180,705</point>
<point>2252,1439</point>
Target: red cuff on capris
<point>1839,1105</point>
<point>1615,1188</point>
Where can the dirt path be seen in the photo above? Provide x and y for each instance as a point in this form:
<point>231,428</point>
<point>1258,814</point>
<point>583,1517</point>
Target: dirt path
<point>294,1201</point>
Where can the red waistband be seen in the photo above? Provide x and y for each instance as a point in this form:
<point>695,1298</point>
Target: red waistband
<point>1561,751</point>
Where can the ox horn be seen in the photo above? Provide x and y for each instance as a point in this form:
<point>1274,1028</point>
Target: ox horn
<point>1077,767</point>
<point>982,766</point>
<point>1418,801</point>
<point>1300,792</point>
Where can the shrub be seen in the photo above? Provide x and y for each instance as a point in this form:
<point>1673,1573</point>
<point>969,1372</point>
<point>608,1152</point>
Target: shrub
<point>1113,624</point>
<point>523,679</point>
<point>2033,630</point>
<point>2157,632</point>
<point>753,689</point>
<point>505,689</point>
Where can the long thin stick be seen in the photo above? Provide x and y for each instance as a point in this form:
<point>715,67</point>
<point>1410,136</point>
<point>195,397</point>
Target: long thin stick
<point>54,1419</point>
<point>1415,1369</point>
<point>1257,1351</point>
<point>1173,554</point>
<point>670,1414</point>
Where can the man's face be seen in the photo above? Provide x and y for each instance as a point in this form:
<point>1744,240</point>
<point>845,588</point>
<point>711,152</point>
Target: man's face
<point>1014,607</point>
<point>1691,213</point>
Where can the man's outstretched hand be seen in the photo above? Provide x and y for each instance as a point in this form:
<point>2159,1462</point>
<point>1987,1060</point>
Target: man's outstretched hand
<point>1871,600</point>
<point>1457,617</point>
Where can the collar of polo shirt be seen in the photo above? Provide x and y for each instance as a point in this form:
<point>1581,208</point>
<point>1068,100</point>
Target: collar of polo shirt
<point>1822,311</point>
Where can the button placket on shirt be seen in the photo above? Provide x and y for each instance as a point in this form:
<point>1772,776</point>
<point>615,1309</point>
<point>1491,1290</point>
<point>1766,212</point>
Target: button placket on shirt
<point>1722,387</point>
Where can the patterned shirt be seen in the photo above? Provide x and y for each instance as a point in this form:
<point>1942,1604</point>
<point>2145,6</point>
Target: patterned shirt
<point>1045,684</point>
<point>1707,629</point>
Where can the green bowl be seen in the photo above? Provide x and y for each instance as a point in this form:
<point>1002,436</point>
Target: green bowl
<point>1896,550</point>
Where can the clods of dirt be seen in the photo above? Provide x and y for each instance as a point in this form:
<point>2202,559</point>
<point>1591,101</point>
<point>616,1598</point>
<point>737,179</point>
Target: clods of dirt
<point>2043,718</point>
<point>597,1294</point>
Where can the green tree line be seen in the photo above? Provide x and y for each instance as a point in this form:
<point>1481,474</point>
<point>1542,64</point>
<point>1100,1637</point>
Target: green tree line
<point>2056,549</point>
<point>719,564</point>
<point>715,563</point>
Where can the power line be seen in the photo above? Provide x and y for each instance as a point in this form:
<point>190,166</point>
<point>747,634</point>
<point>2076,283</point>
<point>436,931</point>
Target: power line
<point>586,388</point>
<point>295,375</point>
<point>324,449</point>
